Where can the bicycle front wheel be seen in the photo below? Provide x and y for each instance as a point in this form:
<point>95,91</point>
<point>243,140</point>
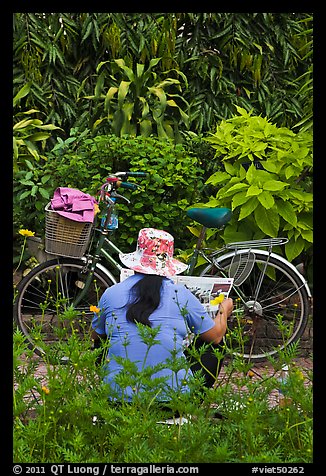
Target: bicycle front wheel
<point>268,318</point>
<point>44,298</point>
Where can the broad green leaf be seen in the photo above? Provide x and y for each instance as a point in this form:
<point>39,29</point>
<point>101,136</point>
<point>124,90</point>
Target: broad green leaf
<point>44,193</point>
<point>99,85</point>
<point>22,93</point>
<point>129,72</point>
<point>109,95</point>
<point>98,122</point>
<point>29,164</point>
<point>48,127</point>
<point>239,199</point>
<point>123,91</point>
<point>270,271</point>
<point>194,231</point>
<point>274,185</point>
<point>24,195</point>
<point>251,173</point>
<point>169,131</point>
<point>30,111</point>
<point>99,66</point>
<point>45,178</point>
<point>267,220</point>
<point>248,93</point>
<point>160,130</point>
<point>303,196</point>
<point>218,177</point>
<point>290,171</point>
<point>140,69</point>
<point>253,190</point>
<point>272,166</point>
<point>15,147</point>
<point>232,233</point>
<point>128,108</point>
<point>145,105</point>
<point>248,207</point>
<point>27,183</point>
<point>153,62</point>
<point>294,248</point>
<point>285,209</point>
<point>242,111</point>
<point>145,127</point>
<point>34,190</point>
<point>237,186</point>
<point>159,92</point>
<point>266,199</point>
<point>26,122</point>
<point>230,169</point>
<point>39,136</point>
<point>307,235</point>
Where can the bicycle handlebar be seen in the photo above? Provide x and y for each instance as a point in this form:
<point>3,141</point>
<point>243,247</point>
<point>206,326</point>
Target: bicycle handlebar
<point>131,186</point>
<point>131,174</point>
<point>114,181</point>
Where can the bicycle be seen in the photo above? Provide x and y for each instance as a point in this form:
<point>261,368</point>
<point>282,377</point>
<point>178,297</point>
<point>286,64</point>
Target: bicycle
<point>266,286</point>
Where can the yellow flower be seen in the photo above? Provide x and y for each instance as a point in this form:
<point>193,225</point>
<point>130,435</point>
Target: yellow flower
<point>26,232</point>
<point>45,390</point>
<point>94,309</point>
<point>217,300</point>
<point>299,374</point>
<point>96,208</point>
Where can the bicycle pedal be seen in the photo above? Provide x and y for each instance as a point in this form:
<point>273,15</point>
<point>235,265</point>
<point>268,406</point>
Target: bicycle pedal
<point>241,266</point>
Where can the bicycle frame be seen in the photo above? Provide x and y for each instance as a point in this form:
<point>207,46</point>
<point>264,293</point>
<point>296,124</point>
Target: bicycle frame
<point>104,244</point>
<point>93,260</point>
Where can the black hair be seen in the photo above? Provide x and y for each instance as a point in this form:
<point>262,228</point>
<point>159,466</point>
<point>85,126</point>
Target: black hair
<point>147,297</point>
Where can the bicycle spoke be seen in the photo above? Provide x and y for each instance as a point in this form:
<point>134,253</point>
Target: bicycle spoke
<point>47,295</point>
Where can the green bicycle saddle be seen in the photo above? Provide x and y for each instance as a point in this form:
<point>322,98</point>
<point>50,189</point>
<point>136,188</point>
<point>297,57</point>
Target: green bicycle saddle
<point>210,217</point>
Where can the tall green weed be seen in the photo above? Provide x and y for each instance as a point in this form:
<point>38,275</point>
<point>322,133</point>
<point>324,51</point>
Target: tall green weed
<point>65,415</point>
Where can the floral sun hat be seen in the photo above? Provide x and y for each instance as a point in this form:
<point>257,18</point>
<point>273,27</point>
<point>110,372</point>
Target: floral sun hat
<point>154,254</point>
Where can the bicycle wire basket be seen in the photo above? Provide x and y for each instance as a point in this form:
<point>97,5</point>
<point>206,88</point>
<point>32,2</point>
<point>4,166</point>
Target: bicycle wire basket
<point>64,237</point>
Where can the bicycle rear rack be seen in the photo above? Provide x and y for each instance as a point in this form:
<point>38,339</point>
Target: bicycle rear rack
<point>243,262</point>
<point>264,243</point>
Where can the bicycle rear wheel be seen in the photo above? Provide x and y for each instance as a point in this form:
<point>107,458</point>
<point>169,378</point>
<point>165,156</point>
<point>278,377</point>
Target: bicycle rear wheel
<point>276,317</point>
<point>43,304</point>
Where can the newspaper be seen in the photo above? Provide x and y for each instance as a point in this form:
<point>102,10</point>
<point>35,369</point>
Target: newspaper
<point>210,290</point>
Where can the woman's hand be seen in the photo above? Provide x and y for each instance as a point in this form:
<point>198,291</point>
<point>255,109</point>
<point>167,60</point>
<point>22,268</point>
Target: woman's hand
<point>215,335</point>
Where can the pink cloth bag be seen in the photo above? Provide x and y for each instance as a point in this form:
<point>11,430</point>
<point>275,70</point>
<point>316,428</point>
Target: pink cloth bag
<point>74,204</point>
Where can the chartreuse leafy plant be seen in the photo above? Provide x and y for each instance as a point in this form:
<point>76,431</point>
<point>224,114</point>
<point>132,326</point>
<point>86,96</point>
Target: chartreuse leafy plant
<point>265,178</point>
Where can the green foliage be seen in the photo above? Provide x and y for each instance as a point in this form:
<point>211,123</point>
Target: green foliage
<point>136,100</point>
<point>64,415</point>
<point>240,58</point>
<point>265,178</point>
<point>31,194</point>
<point>255,60</point>
<point>28,132</point>
<point>175,179</point>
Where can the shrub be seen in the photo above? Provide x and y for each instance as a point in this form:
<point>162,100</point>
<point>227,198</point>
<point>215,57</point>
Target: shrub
<point>265,178</point>
<point>174,181</point>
